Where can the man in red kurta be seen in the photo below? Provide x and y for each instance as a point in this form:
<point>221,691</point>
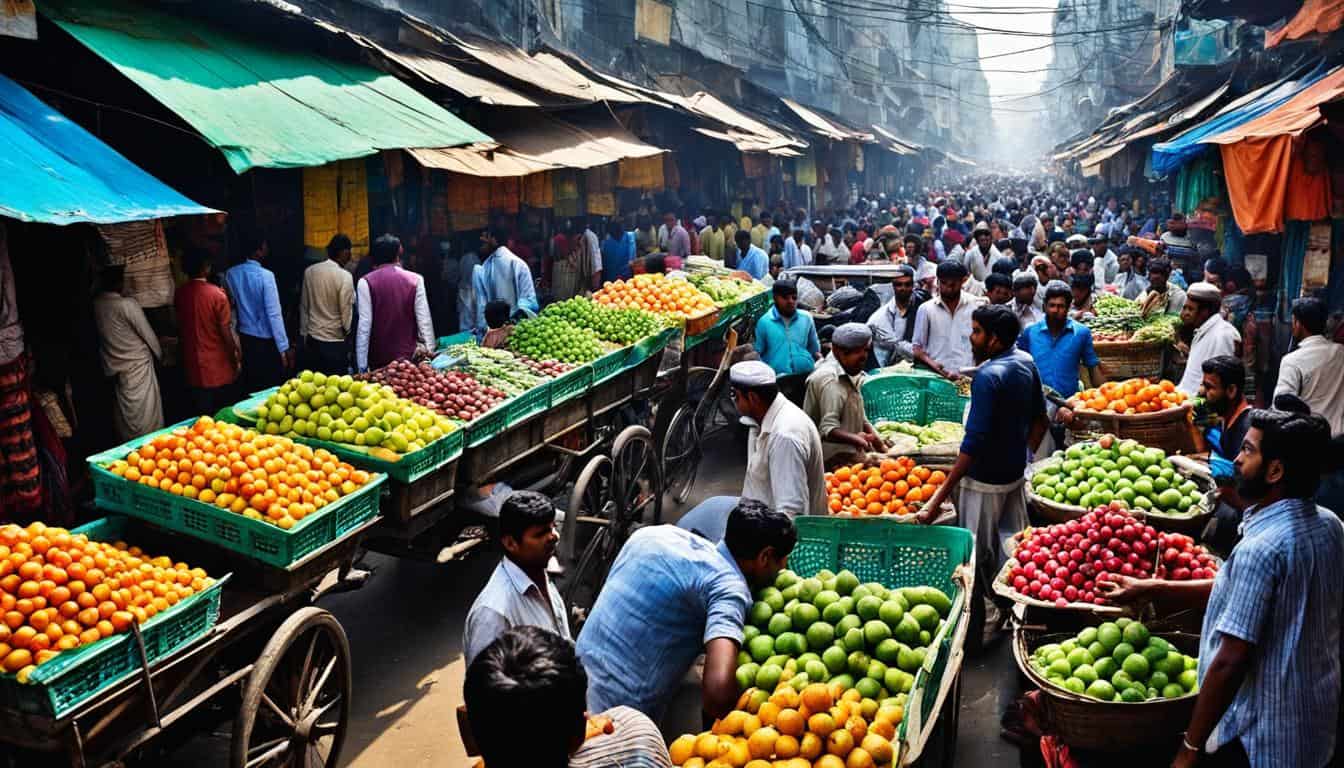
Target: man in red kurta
<point>211,356</point>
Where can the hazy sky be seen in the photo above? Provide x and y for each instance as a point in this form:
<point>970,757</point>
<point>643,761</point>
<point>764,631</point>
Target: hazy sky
<point>1012,118</point>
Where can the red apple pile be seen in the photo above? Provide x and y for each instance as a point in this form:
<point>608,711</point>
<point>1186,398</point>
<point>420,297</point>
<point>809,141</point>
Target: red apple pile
<point>452,393</point>
<point>1062,563</point>
<point>1183,559</point>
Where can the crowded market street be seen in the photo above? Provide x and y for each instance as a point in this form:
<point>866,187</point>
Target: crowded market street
<point>671,384</point>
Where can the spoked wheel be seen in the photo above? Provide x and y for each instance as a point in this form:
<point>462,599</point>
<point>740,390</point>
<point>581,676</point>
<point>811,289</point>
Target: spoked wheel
<point>592,529</point>
<point>296,704</point>
<point>636,480</point>
<point>713,410</point>
<point>681,454</point>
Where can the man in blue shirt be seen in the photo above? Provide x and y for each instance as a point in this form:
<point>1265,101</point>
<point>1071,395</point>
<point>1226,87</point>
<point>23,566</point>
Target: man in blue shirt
<point>786,339</point>
<point>617,253</point>
<point>1006,422</point>
<point>1059,345</point>
<point>672,595</point>
<point>256,307</point>
<point>1269,652</point>
<point>750,259</point>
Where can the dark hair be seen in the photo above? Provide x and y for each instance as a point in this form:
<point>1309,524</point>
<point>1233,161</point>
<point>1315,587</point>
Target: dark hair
<point>1059,291</point>
<point>741,235</point>
<point>1299,441</point>
<point>1216,266</point>
<point>1082,281</point>
<point>339,242</point>
<point>753,526</point>
<point>501,234</point>
<point>526,669</point>
<point>1240,277</point>
<point>250,240</point>
<point>951,270</point>
<point>112,278</point>
<point>523,510</point>
<point>194,260</point>
<point>1080,257</point>
<point>1004,266</point>
<point>1160,265</point>
<point>1231,372</point>
<point>1024,281</point>
<point>997,280</point>
<point>497,313</point>
<point>784,288</point>
<point>999,321</point>
<point>1311,313</point>
<point>385,250</point>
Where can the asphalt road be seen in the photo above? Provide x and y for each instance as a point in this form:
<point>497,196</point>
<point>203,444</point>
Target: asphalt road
<point>405,630</point>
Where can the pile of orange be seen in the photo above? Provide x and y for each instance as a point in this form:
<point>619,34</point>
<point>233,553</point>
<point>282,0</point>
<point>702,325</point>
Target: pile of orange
<point>822,726</point>
<point>1129,396</point>
<point>264,477</point>
<point>59,591</point>
<point>656,293</point>
<point>894,487</point>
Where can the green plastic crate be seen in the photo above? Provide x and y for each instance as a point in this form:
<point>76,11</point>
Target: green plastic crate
<point>917,398</point>
<point>72,678</point>
<point>457,338</point>
<point>487,425</point>
<point>408,467</point>
<point>206,522</point>
<point>609,364</point>
<point>568,386</point>
<point>758,304</point>
<point>650,345</point>
<point>894,555</point>
<point>528,404</point>
<point>732,311</point>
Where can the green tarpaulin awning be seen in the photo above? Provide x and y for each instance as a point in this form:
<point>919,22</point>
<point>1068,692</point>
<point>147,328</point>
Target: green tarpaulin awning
<point>261,105</point>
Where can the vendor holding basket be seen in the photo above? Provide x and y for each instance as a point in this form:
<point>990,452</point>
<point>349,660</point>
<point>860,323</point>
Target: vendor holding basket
<point>1269,656</point>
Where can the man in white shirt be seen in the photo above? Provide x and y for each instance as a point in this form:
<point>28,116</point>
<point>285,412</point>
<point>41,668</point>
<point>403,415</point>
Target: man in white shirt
<point>1105,264</point>
<point>785,468</point>
<point>593,246</point>
<point>981,255</point>
<point>1214,336</point>
<point>1024,299</point>
<point>326,310</point>
<point>797,252</point>
<point>893,324</point>
<point>519,593</point>
<point>1315,370</point>
<point>128,348</point>
<point>942,340</point>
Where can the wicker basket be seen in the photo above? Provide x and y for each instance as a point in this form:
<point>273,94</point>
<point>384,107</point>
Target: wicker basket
<point>1086,723</point>
<point>1131,359</point>
<point>1059,512</point>
<point>1002,588</point>
<point>1167,429</point>
<point>698,324</point>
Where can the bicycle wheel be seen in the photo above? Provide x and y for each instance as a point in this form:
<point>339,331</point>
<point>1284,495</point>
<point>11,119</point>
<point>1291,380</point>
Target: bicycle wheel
<point>594,529</point>
<point>681,454</point>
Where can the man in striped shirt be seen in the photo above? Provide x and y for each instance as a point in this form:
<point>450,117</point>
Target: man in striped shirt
<point>1269,656</point>
<point>533,678</point>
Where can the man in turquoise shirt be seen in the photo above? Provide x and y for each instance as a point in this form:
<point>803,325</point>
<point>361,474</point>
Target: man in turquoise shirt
<point>786,340</point>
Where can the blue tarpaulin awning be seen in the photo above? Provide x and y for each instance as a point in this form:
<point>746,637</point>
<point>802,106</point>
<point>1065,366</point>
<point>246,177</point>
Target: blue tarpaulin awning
<point>58,173</point>
<point>1169,156</point>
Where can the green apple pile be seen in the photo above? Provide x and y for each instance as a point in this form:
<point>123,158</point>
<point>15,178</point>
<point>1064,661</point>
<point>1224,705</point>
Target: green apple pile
<point>619,325</point>
<point>835,630</point>
<point>340,409</point>
<point>1096,473</point>
<point>548,337</point>
<point>1118,661</point>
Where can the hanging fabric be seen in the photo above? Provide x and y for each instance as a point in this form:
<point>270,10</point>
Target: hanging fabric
<point>600,184</point>
<point>538,191</point>
<point>335,199</point>
<point>642,173</point>
<point>1308,197</point>
<point>566,185</point>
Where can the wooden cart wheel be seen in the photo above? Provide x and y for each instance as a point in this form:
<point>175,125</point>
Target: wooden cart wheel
<point>589,504</point>
<point>636,480</point>
<point>296,703</point>
<point>681,454</point>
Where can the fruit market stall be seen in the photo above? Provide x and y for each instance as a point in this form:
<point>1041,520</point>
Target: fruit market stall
<point>836,670</point>
<point>1151,411</point>
<point>1128,344</point>
<point>196,590</point>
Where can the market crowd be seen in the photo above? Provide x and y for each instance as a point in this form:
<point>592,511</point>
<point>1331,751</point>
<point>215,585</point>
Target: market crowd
<point>989,287</point>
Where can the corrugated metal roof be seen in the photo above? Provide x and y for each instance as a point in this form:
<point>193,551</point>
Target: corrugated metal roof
<point>544,70</point>
<point>746,133</point>
<point>580,143</point>
<point>489,161</point>
<point>259,105</point>
<point>433,69</point>
<point>826,127</point>
<point>58,173</point>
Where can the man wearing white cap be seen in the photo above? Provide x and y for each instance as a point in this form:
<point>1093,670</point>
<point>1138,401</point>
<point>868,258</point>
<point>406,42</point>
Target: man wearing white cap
<point>834,399</point>
<point>1214,336</point>
<point>784,454</point>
